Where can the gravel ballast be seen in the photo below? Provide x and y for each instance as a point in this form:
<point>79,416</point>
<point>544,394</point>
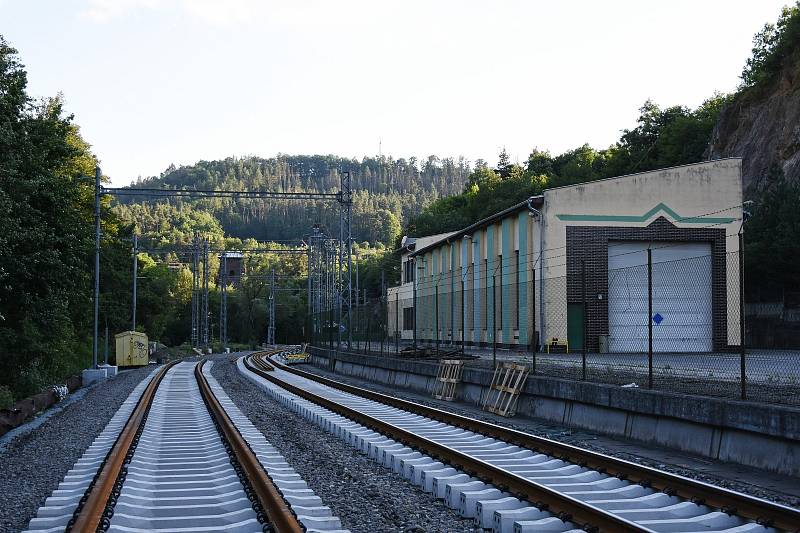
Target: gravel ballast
<point>775,487</point>
<point>34,463</point>
<point>365,496</point>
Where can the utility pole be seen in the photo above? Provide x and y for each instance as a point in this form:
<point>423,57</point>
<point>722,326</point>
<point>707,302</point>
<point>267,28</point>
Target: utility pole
<point>649,317</point>
<point>309,319</point>
<point>96,261</point>
<point>742,332</point>
<point>416,270</point>
<point>357,312</point>
<point>205,294</point>
<point>135,273</point>
<point>384,310</point>
<point>223,303</point>
<point>271,327</point>
<point>494,319</point>
<point>586,318</point>
<point>195,292</point>
<point>463,314</point>
<point>105,352</point>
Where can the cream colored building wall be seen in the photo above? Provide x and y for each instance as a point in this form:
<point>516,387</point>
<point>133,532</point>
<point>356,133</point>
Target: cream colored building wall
<point>406,290</point>
<point>710,190</point>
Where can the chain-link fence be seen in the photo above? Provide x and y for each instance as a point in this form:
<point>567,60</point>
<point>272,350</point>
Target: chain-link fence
<point>649,320</point>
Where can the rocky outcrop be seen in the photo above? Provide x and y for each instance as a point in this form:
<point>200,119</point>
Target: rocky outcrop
<point>762,126</point>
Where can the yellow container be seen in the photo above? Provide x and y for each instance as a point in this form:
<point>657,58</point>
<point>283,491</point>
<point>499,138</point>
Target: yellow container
<point>131,348</point>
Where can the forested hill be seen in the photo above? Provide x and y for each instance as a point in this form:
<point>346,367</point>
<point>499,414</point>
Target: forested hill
<point>387,191</point>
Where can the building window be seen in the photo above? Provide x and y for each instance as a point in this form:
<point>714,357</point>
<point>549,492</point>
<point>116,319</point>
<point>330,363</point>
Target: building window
<point>408,271</point>
<point>408,318</point>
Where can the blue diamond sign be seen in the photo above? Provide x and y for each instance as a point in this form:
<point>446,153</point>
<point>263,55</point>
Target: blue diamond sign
<point>657,318</point>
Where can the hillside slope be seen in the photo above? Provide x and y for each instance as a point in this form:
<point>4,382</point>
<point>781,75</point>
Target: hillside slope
<point>761,123</point>
<point>763,129</point>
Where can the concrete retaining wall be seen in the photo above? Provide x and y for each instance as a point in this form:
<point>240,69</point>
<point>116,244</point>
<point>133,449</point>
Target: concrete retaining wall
<point>754,434</point>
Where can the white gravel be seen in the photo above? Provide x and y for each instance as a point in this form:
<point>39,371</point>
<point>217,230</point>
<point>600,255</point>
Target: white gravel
<point>34,463</point>
<point>365,496</point>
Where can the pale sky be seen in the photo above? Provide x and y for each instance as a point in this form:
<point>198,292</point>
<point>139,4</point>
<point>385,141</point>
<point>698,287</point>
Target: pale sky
<point>154,82</point>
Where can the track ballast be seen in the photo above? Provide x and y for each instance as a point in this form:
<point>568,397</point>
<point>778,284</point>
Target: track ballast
<point>191,462</point>
<point>517,482</point>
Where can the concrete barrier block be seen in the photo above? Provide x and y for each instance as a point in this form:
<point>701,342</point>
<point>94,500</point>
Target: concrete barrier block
<point>93,375</point>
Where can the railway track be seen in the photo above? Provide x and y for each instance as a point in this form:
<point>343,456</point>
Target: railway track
<point>508,480</point>
<point>179,456</point>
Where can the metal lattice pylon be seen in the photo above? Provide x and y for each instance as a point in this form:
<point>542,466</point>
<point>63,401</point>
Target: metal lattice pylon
<point>204,306</point>
<point>345,279</point>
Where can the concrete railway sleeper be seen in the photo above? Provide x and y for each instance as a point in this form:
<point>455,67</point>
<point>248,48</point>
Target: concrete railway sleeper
<point>179,456</point>
<point>518,483</point>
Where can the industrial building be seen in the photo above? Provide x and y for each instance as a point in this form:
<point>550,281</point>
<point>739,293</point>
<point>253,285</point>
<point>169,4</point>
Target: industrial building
<point>572,264</point>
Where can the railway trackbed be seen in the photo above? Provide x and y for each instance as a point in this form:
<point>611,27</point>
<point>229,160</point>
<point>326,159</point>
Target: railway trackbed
<point>507,480</point>
<point>179,456</point>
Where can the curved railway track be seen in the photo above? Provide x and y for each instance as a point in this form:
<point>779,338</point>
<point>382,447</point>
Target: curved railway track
<point>182,457</point>
<point>509,480</point>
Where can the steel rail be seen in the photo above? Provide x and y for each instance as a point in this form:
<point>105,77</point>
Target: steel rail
<point>91,514</point>
<point>280,515</point>
<point>561,505</point>
<point>756,509</point>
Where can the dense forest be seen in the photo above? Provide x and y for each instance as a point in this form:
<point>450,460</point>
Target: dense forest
<point>46,217</point>
<point>387,191</point>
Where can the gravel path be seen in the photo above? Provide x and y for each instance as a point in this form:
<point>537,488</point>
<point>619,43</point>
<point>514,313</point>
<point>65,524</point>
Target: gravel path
<point>775,487</point>
<point>365,496</point>
<point>33,464</point>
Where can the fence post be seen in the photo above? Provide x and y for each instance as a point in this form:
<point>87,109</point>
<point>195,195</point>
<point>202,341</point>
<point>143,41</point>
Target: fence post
<point>397,322</point>
<point>494,320</point>
<point>368,346</point>
<point>742,352</point>
<point>463,319</point>
<point>414,302</point>
<point>583,298</point>
<point>452,306</point>
<point>384,314</point>
<point>649,318</point>
<point>532,334</point>
<point>436,310</point>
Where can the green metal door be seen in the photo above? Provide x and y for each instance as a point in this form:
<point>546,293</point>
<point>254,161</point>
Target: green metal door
<point>575,327</point>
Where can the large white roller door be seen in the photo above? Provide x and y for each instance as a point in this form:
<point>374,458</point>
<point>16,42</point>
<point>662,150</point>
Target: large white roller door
<point>682,312</point>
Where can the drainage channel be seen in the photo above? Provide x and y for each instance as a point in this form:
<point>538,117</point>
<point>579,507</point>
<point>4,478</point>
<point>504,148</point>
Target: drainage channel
<point>185,470</point>
<point>503,486</point>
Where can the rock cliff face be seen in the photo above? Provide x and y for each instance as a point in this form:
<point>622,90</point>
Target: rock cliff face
<point>763,127</point>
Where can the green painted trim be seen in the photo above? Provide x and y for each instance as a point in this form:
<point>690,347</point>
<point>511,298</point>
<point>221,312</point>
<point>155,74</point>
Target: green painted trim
<point>661,207</point>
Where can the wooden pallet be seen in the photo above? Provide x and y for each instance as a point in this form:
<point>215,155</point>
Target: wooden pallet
<point>448,377</point>
<point>507,382</point>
